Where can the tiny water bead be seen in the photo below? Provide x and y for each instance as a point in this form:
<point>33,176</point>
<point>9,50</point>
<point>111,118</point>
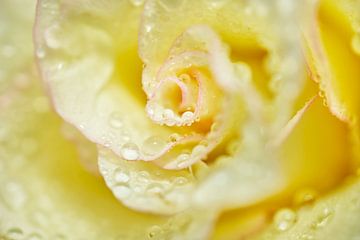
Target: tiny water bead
<point>130,151</point>
<point>155,188</point>
<point>153,145</point>
<point>34,236</point>
<point>284,219</point>
<point>137,3</point>
<point>14,233</point>
<point>323,218</point>
<point>40,52</point>
<point>122,191</point>
<point>217,3</point>
<point>51,38</point>
<point>180,181</point>
<point>143,177</point>
<point>174,137</point>
<point>186,116</point>
<point>154,232</point>
<point>121,176</point>
<point>198,150</point>
<point>171,5</point>
<point>182,160</point>
<point>304,196</point>
<point>115,120</point>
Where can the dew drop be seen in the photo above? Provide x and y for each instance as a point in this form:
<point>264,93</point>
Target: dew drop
<point>217,3</point>
<point>171,5</point>
<point>121,176</point>
<point>40,52</point>
<point>306,236</point>
<point>355,43</point>
<point>137,3</point>
<point>115,120</point>
<point>168,114</point>
<point>215,127</point>
<point>154,188</point>
<point>182,160</point>
<point>154,231</point>
<point>122,191</point>
<point>14,233</point>
<point>187,115</point>
<point>34,236</point>
<point>148,28</point>
<point>174,137</point>
<point>284,219</point>
<point>130,151</point>
<point>180,181</point>
<point>153,145</point>
<point>198,150</point>
<point>304,196</point>
<point>185,77</point>
<point>323,219</point>
<point>50,37</point>
<point>143,176</point>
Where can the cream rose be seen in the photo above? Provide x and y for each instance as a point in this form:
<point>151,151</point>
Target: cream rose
<point>206,119</point>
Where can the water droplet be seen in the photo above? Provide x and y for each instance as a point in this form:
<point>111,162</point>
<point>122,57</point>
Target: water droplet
<point>185,77</point>
<point>215,127</point>
<point>59,66</point>
<point>153,145</point>
<point>137,3</point>
<point>171,5</point>
<point>304,196</point>
<point>198,150</point>
<point>182,160</point>
<point>40,52</point>
<point>154,188</point>
<point>122,191</point>
<point>51,38</point>
<point>115,120</point>
<point>14,233</point>
<point>174,137</point>
<point>323,218</point>
<point>34,236</point>
<point>217,3</point>
<point>154,231</point>
<point>355,43</point>
<point>143,176</point>
<point>168,114</point>
<point>187,115</point>
<point>180,181</point>
<point>121,176</point>
<point>148,28</point>
<point>130,151</point>
<point>284,219</point>
<point>306,236</point>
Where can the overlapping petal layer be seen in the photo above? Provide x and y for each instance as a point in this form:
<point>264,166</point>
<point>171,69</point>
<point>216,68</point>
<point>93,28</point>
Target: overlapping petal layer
<point>203,101</point>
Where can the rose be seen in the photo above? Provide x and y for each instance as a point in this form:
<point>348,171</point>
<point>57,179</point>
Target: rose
<point>50,66</point>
